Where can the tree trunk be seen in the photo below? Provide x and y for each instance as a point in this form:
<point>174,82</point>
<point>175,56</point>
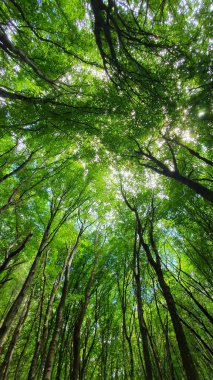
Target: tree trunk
<point>187,360</point>
<point>160,168</point>
<point>188,364</point>
<point>142,324</point>
<point>78,324</point>
<point>19,299</point>
<point>59,315</point>
<point>197,187</point>
<point>8,357</point>
<point>143,331</point>
<point>12,254</point>
<point>17,373</point>
<point>33,366</point>
<point>45,332</point>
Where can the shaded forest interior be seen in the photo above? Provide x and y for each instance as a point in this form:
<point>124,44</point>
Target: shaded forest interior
<point>106,190</point>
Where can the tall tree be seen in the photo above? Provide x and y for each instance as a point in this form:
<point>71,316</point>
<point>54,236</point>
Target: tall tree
<point>94,94</point>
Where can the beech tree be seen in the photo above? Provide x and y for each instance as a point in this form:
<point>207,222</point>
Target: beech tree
<point>106,190</point>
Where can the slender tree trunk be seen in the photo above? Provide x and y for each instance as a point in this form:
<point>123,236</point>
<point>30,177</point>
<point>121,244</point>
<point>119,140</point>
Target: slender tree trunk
<point>197,319</point>
<point>64,342</point>
<point>45,332</point>
<point>54,341</point>
<point>169,356</point>
<point>201,307</point>
<point>127,336</point>
<point>12,254</point>
<point>59,314</point>
<point>207,347</point>
<point>19,299</point>
<point>140,354</point>
<point>21,356</point>
<point>165,331</point>
<point>128,339</point>
<point>143,331</point>
<point>85,358</point>
<point>156,356</point>
<point>187,360</point>
<point>8,357</point>
<point>188,364</point>
<point>33,366</point>
<point>142,324</point>
<point>78,324</point>
<point>20,167</point>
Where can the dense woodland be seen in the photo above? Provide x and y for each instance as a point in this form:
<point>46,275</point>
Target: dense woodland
<point>106,190</point>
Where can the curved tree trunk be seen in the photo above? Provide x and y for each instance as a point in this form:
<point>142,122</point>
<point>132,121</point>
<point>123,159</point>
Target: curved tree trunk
<point>187,360</point>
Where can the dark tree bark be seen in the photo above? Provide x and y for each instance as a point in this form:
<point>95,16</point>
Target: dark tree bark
<point>142,324</point>
<point>188,364</point>
<point>165,332</point>
<point>10,255</point>
<point>190,150</point>
<point>187,360</point>
<point>78,325</point>
<point>159,167</point>
<point>16,52</point>
<point>64,342</point>
<point>122,293</point>
<point>19,168</point>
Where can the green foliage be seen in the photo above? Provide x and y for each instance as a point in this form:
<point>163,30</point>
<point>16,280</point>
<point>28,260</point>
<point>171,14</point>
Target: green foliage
<point>105,124</point>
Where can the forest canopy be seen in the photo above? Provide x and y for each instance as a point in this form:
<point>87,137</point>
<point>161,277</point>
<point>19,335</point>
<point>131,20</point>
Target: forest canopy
<point>106,190</point>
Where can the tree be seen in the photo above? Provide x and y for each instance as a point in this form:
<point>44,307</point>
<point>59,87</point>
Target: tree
<point>106,190</point>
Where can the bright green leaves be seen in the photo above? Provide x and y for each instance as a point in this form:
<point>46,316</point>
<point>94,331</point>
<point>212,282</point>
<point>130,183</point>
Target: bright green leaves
<point>102,101</point>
